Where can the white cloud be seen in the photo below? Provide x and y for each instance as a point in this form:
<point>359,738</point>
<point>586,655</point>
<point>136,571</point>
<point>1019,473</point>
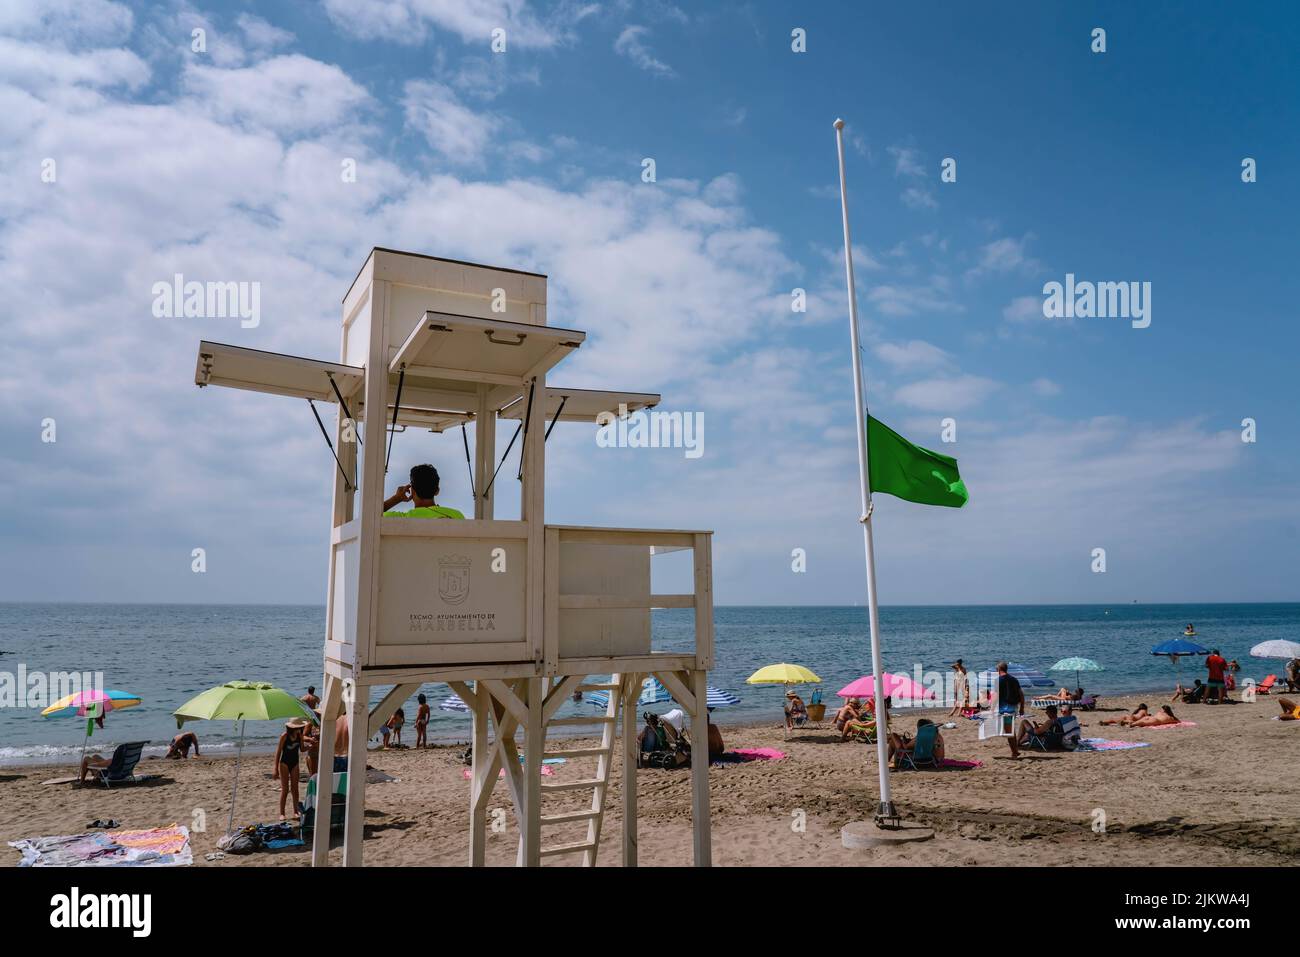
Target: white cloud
<point>261,35</point>
<point>287,94</point>
<point>1023,309</point>
<point>410,21</point>
<point>916,354</point>
<point>455,131</point>
<point>948,395</point>
<point>1005,255</point>
<point>907,161</point>
<point>631,44</point>
<point>1045,387</point>
<point>919,197</point>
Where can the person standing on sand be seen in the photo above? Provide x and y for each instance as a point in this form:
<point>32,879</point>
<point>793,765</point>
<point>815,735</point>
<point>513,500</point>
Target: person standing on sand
<point>1215,665</point>
<point>286,761</point>
<point>960,689</point>
<point>1011,700</point>
<point>422,722</point>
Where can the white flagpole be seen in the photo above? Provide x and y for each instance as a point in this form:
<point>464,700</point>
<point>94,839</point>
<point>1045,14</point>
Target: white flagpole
<point>886,809</point>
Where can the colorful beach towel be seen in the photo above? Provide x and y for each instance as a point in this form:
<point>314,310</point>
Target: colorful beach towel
<point>547,770</point>
<point>1101,744</point>
<point>1180,724</point>
<point>154,847</point>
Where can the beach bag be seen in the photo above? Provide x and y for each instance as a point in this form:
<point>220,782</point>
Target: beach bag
<point>240,842</point>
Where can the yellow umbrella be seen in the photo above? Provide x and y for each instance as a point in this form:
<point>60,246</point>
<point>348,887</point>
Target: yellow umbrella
<point>782,674</point>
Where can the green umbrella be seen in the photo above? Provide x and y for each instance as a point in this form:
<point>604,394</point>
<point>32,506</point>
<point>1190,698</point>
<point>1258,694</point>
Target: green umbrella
<point>242,701</point>
<point>1076,665</point>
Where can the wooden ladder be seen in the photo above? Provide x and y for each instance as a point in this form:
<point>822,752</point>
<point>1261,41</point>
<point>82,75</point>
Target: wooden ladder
<point>599,784</point>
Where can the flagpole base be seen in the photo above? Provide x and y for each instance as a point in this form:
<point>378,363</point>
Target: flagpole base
<point>859,835</point>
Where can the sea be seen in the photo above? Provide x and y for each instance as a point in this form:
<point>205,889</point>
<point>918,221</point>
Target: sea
<point>166,653</point>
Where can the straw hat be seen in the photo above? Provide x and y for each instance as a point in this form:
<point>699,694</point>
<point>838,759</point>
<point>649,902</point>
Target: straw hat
<point>296,724</point>
<point>790,694</point>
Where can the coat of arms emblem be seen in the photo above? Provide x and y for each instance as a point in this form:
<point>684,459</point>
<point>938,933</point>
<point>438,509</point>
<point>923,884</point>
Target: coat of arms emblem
<point>453,578</point>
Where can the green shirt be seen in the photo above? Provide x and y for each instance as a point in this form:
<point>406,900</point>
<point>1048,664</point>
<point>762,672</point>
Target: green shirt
<point>426,511</point>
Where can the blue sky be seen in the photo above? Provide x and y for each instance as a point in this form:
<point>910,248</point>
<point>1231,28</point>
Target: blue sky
<point>1072,435</point>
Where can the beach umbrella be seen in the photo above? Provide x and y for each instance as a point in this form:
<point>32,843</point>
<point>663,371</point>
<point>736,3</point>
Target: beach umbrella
<point>1028,677</point>
<point>454,704</point>
<point>782,674</point>
<point>1076,665</point>
<point>1176,648</point>
<point>90,705</point>
<point>654,692</point>
<point>1277,648</point>
<point>242,701</point>
<point>898,687</point>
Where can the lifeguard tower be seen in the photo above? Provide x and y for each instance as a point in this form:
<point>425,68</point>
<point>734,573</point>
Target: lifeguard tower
<point>515,615</point>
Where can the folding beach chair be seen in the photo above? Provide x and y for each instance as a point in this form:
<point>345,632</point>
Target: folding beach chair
<point>121,770</point>
<point>1266,686</point>
<point>922,753</point>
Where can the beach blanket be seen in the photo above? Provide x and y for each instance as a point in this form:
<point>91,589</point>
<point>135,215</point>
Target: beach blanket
<point>1180,724</point>
<point>1101,744</point>
<point>951,763</point>
<point>154,847</point>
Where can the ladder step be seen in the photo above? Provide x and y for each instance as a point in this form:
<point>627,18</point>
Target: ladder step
<point>573,785</point>
<point>567,848</point>
<point>594,719</point>
<point>569,816</point>
<point>606,686</point>
<point>577,753</point>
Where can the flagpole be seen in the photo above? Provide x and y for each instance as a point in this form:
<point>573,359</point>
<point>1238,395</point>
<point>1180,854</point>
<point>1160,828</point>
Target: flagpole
<point>886,808</point>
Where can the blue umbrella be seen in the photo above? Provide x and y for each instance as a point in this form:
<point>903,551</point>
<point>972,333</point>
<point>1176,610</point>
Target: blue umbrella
<point>654,692</point>
<point>1175,648</point>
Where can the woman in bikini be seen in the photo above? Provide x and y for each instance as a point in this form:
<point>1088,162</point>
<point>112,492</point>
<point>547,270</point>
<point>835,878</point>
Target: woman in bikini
<point>1137,714</point>
<point>286,761</point>
<point>422,722</point>
<point>1164,716</point>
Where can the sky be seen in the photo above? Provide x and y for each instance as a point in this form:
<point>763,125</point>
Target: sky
<point>127,156</point>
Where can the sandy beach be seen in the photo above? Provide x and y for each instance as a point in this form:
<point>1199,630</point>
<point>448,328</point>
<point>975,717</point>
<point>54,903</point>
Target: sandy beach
<point>1220,793</point>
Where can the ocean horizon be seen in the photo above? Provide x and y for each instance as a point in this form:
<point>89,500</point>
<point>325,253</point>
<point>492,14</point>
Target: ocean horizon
<point>168,652</point>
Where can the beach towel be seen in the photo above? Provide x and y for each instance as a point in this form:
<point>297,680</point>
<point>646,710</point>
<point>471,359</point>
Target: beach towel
<point>1180,724</point>
<point>951,763</point>
<point>152,847</point>
<point>745,755</point>
<point>1101,744</point>
<point>547,770</point>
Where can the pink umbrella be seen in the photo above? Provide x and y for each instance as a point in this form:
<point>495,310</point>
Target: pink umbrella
<point>899,687</point>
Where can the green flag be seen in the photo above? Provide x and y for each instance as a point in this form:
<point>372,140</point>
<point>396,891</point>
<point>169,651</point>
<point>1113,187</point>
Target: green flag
<point>918,475</point>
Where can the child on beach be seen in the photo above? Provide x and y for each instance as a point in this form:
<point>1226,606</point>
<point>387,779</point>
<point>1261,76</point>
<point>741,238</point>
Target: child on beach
<point>422,723</point>
<point>286,761</point>
<point>393,726</point>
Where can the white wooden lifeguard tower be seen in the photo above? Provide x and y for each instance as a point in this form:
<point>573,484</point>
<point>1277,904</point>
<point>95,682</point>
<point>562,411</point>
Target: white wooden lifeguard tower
<point>514,615</point>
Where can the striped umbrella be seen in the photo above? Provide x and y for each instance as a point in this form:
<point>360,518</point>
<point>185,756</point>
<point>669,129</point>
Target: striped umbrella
<point>453,703</point>
<point>90,705</point>
<point>1028,678</point>
<point>654,692</point>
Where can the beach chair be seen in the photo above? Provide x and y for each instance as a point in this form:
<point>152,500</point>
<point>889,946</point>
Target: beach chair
<point>922,753</point>
<point>338,806</point>
<point>121,770</point>
<point>1266,686</point>
<point>1034,739</point>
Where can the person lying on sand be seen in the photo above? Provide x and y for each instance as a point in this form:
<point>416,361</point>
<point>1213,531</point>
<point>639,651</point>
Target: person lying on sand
<point>850,711</point>
<point>1065,694</point>
<point>1136,714</point>
<point>181,744</point>
<point>1290,710</point>
<point>1164,716</point>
